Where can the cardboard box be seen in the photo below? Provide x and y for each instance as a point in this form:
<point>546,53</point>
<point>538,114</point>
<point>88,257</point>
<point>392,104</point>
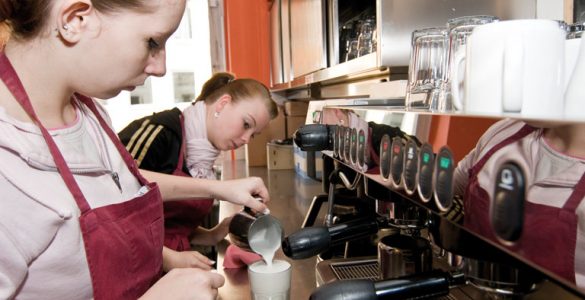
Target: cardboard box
<point>277,126</point>
<point>293,123</point>
<point>296,108</point>
<point>280,157</point>
<point>308,164</point>
<point>256,150</point>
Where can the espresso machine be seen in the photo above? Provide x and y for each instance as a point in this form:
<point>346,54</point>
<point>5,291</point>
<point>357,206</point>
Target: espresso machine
<point>392,225</point>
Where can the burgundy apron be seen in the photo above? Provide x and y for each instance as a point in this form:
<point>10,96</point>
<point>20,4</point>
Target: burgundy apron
<point>182,217</point>
<point>548,231</point>
<point>123,241</point>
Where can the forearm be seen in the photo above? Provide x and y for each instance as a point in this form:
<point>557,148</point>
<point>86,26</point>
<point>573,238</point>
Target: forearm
<point>179,187</point>
<point>204,237</point>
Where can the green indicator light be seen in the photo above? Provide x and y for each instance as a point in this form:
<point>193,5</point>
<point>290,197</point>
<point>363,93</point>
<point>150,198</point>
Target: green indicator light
<point>444,163</point>
<point>426,157</point>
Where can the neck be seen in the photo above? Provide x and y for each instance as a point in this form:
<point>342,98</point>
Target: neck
<point>44,78</point>
<point>568,139</point>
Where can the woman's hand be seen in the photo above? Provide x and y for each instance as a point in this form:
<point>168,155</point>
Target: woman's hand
<point>186,283</point>
<point>250,192</point>
<point>185,259</point>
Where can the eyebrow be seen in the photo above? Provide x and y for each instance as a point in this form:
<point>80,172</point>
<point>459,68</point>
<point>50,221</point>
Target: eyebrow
<point>253,120</point>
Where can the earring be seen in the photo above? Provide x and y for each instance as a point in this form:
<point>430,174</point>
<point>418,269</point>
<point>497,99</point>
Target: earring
<point>216,114</point>
<point>65,27</point>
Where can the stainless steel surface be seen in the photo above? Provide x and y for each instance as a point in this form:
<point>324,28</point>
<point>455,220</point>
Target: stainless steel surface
<point>327,271</point>
<point>308,38</point>
<point>400,18</point>
<point>291,196</point>
<point>396,21</point>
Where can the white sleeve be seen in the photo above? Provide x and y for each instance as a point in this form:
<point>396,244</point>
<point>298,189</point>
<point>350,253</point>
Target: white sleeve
<point>26,229</point>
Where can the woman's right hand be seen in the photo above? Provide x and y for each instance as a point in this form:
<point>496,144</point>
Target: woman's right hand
<point>244,191</point>
<point>186,283</point>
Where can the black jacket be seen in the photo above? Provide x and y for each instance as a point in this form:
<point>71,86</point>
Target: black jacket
<point>155,141</point>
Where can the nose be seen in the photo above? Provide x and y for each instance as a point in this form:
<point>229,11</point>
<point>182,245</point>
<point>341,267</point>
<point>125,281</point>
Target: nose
<point>157,64</point>
<point>247,136</point>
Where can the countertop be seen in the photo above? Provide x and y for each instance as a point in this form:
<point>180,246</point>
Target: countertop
<point>290,198</point>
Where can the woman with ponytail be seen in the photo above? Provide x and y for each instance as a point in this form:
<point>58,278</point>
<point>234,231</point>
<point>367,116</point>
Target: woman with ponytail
<point>225,116</point>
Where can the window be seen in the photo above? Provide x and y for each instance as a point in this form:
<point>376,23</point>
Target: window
<point>184,86</point>
<point>142,94</point>
<point>184,30</point>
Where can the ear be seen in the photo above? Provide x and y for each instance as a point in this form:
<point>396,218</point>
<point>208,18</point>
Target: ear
<point>222,102</point>
<point>74,18</point>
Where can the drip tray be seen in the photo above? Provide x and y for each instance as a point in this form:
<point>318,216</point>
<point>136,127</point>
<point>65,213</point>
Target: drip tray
<point>366,268</point>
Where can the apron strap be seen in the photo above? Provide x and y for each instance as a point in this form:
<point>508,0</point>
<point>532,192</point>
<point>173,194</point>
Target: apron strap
<point>576,196</point>
<point>183,142</point>
<point>524,131</point>
<point>130,162</point>
<point>14,85</point>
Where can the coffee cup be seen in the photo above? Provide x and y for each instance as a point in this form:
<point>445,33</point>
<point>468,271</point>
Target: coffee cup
<point>270,282</point>
<point>575,91</point>
<point>513,66</point>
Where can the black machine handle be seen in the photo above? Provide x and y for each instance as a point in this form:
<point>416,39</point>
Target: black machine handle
<point>419,286</point>
<point>315,137</point>
<point>311,241</point>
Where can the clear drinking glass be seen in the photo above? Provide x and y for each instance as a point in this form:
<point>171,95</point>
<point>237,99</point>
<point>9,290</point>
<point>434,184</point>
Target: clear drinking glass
<point>459,29</point>
<point>352,50</point>
<point>366,37</point>
<point>427,67</point>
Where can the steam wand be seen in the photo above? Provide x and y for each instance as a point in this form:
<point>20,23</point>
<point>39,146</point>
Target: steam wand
<point>419,286</point>
<point>334,178</point>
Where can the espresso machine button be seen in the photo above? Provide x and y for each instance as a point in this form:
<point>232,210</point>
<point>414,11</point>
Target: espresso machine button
<point>425,172</point>
<point>507,211</point>
<point>410,166</point>
<point>346,145</point>
<point>444,167</point>
<point>385,157</point>
<point>353,150</point>
<point>340,133</point>
<point>362,150</point>
<point>335,140</point>
<point>396,161</point>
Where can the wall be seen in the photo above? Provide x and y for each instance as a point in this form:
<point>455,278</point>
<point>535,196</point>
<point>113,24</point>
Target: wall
<point>248,55</point>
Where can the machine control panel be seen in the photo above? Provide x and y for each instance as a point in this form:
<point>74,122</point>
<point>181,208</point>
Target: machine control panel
<point>444,168</point>
<point>410,167</point>
<point>396,161</point>
<point>385,157</point>
<point>426,164</point>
